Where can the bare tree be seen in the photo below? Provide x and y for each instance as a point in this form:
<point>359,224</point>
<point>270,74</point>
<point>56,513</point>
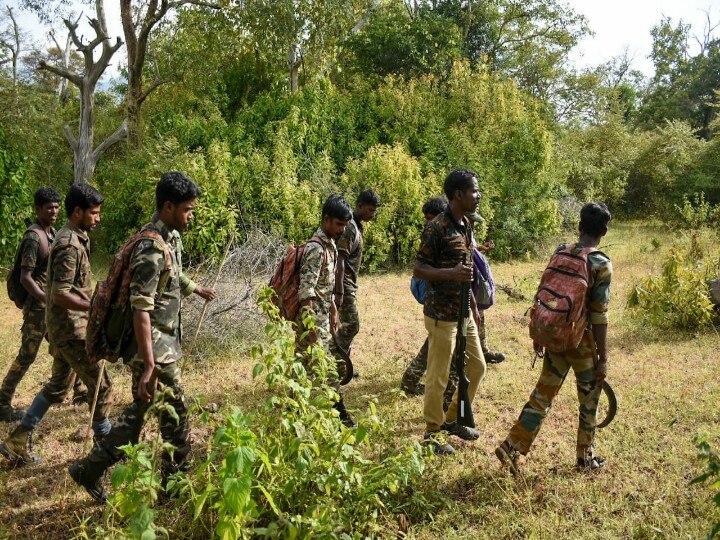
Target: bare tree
<point>137,33</point>
<point>11,43</point>
<point>65,53</point>
<point>86,155</point>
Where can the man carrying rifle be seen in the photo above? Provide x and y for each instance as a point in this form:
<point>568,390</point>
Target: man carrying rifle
<point>444,261</point>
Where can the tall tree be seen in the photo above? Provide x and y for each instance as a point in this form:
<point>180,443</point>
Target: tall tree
<point>137,27</point>
<point>10,44</point>
<point>86,154</point>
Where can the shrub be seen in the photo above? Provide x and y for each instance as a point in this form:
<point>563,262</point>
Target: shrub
<point>286,470</point>
<point>695,212</point>
<point>679,298</point>
<point>16,203</point>
<point>711,460</point>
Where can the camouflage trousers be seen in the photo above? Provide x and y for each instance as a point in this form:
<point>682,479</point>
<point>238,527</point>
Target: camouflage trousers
<point>127,427</point>
<point>418,365</point>
<point>32,332</point>
<point>70,358</point>
<point>349,322</point>
<point>555,368</point>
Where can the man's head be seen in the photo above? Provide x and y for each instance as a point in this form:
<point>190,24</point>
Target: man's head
<point>336,214</point>
<point>47,205</point>
<point>175,196</point>
<point>82,204</point>
<point>433,208</point>
<point>366,205</point>
<point>594,219</point>
<point>461,189</point>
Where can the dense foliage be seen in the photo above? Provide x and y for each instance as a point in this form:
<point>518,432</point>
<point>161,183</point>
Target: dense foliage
<point>273,106</point>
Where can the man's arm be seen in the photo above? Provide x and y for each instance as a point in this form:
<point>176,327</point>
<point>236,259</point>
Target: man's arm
<point>339,278</point>
<point>459,272</point>
<point>600,335</point>
<point>31,286</point>
<point>599,301</point>
<point>143,336</point>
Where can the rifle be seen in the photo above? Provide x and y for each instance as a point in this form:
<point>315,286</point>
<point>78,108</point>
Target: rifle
<point>464,405</point>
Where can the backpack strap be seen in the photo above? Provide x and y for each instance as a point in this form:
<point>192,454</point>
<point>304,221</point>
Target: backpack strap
<point>318,240</point>
<point>44,244</point>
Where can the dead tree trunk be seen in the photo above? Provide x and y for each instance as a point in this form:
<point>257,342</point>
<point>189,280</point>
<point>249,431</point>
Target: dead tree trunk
<point>86,155</point>
<point>294,63</point>
<point>13,47</point>
<point>65,53</point>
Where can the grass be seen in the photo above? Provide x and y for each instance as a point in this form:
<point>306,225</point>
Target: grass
<point>667,385</point>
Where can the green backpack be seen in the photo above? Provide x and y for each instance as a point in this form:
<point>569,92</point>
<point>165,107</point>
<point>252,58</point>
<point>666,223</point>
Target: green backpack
<point>16,292</point>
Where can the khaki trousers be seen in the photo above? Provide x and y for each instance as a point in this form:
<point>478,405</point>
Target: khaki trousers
<point>441,340</point>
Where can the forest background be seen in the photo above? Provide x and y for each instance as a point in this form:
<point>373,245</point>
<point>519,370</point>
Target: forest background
<point>271,106</point>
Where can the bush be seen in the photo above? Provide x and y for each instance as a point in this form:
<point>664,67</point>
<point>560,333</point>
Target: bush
<point>711,460</point>
<point>286,470</point>
<point>16,203</point>
<point>695,212</point>
<point>679,298</point>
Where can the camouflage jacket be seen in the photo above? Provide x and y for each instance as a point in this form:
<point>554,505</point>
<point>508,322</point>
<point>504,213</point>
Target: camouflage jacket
<point>317,276</point>
<point>598,298</point>
<point>350,246</point>
<point>29,253</point>
<point>159,292</point>
<point>444,243</point>
<point>68,272</point>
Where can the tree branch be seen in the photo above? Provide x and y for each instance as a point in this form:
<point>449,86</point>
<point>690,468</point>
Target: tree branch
<point>115,137</point>
<point>156,83</point>
<point>62,72</point>
<point>70,137</point>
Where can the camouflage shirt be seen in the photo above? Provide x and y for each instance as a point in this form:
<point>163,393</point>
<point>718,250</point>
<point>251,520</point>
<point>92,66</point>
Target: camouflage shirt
<point>68,272</point>
<point>29,260</point>
<point>159,292</point>
<point>350,246</point>
<point>317,276</point>
<point>444,243</point>
<point>598,298</point>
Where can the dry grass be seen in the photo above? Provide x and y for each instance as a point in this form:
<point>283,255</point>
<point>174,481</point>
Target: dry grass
<point>667,385</point>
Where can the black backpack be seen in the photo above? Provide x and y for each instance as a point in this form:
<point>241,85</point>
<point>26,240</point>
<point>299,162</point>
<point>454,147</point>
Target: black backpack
<point>17,293</point>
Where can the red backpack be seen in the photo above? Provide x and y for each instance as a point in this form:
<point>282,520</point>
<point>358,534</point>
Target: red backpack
<point>286,280</point>
<point>559,315</point>
<point>110,317</point>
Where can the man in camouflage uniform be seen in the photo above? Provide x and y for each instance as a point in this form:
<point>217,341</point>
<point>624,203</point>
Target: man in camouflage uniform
<point>68,301</point>
<point>317,282</point>
<point>444,261</point>
<point>154,350</point>
<point>588,360</point>
<point>350,248</point>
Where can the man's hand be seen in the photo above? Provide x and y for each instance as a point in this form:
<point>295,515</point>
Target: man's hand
<point>539,349</point>
<point>461,273</point>
<point>601,371</point>
<point>487,246</point>
<point>146,388</point>
<point>208,293</point>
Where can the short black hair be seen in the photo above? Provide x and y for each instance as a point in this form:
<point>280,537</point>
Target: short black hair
<point>175,187</point>
<point>82,195</point>
<point>458,180</point>
<point>368,196</point>
<point>594,218</point>
<point>435,206</point>
<point>46,195</point>
<point>337,207</point>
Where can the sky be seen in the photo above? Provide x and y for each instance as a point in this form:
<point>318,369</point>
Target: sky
<point>616,25</point>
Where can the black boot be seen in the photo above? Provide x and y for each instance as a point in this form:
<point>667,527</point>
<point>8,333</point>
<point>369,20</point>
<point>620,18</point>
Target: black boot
<point>8,413</point>
<point>345,417</point>
<point>88,474</point>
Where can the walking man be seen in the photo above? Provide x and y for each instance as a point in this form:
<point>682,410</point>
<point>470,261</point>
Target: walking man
<point>68,301</point>
<point>317,282</point>
<point>156,292</point>
<point>588,360</point>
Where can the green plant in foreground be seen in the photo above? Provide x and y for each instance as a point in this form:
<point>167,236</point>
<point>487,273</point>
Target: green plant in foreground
<point>679,298</point>
<point>290,469</point>
<point>711,460</point>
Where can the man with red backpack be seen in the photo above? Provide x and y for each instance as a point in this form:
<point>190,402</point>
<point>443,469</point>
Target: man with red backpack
<point>569,329</point>
<point>27,283</point>
<point>152,350</point>
<point>317,283</point>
